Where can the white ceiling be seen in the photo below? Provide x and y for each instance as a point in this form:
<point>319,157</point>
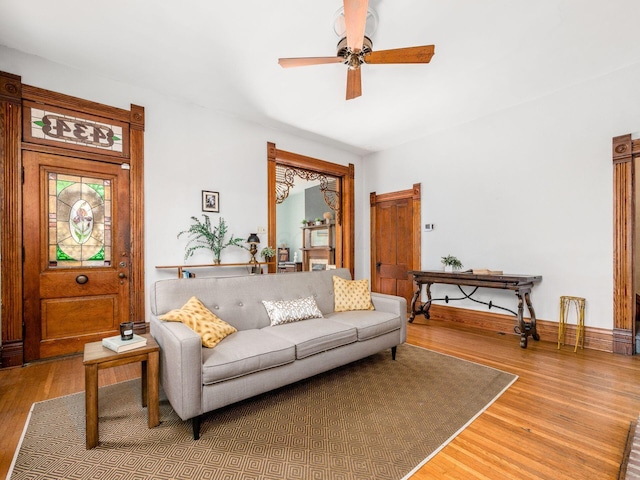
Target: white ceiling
<point>490,55</point>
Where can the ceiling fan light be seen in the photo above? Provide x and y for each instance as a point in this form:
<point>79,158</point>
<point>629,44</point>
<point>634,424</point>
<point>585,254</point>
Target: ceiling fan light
<point>340,28</point>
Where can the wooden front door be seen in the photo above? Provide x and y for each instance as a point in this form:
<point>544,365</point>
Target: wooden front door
<point>395,241</point>
<point>76,252</point>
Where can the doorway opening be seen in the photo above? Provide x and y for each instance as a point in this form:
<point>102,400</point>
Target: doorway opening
<point>331,192</point>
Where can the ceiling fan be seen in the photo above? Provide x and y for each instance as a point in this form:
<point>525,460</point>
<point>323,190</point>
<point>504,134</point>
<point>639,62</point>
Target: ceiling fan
<point>356,49</point>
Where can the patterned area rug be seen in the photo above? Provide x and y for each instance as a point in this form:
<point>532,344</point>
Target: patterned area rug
<point>375,418</point>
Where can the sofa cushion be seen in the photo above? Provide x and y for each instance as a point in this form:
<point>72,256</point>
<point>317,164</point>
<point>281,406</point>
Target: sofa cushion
<point>245,352</point>
<point>351,294</point>
<point>201,320</point>
<point>368,324</point>
<point>288,311</point>
<point>315,335</point>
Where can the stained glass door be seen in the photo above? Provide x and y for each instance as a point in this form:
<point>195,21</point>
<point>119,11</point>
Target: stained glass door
<point>76,231</point>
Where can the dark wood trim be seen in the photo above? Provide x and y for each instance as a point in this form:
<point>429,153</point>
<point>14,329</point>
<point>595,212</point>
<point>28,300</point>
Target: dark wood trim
<point>136,185</point>
<point>11,222</point>
<point>345,231</point>
<point>60,150</point>
<point>373,228</point>
<point>271,196</point>
<point>12,94</point>
<point>61,100</point>
<point>417,226</point>
<point>623,248</point>
<point>595,338</point>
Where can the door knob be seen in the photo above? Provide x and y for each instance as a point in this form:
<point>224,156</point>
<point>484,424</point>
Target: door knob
<point>82,279</point>
<point>122,275</point>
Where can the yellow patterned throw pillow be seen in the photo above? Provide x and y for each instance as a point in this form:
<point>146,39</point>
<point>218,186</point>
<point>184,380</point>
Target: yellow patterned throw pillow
<point>201,320</point>
<point>351,295</point>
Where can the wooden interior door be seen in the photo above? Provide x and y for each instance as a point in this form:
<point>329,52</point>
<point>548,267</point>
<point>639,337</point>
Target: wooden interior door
<point>76,252</point>
<point>395,241</point>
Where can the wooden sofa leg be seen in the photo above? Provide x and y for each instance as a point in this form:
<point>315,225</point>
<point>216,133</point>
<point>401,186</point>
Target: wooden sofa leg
<point>393,352</point>
<point>195,422</point>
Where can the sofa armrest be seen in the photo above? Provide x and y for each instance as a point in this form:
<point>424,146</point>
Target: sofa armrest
<point>392,304</point>
<point>180,366</point>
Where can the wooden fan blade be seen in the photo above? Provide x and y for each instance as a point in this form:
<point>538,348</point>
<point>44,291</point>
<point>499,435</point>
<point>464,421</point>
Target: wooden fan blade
<point>305,61</point>
<point>355,20</point>
<point>354,83</point>
<point>402,55</point>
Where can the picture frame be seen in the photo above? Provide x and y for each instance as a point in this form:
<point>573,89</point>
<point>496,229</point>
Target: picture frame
<point>320,238</point>
<point>210,201</point>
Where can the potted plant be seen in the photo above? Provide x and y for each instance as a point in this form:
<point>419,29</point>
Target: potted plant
<point>205,235</point>
<point>304,222</point>
<point>451,263</point>
<point>268,253</point>
<point>318,221</point>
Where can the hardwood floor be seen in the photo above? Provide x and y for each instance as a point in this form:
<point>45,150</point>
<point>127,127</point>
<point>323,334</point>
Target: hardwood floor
<point>566,417</point>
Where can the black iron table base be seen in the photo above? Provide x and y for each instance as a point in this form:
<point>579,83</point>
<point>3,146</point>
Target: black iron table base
<point>521,285</point>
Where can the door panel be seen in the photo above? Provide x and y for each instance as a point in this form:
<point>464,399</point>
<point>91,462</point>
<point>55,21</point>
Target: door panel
<point>394,248</point>
<point>76,262</point>
<point>60,316</point>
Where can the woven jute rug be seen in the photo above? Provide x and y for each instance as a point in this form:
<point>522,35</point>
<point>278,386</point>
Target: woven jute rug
<point>372,419</point>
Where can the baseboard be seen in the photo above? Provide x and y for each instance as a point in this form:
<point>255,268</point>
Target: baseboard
<point>594,338</point>
<point>11,354</point>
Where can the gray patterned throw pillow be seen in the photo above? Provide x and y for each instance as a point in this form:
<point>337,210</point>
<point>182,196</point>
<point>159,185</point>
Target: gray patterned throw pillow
<point>288,311</point>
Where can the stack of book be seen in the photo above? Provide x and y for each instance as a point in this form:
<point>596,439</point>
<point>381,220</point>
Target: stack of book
<point>118,345</point>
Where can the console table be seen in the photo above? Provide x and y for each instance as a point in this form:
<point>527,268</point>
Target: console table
<point>182,268</point>
<point>520,284</point>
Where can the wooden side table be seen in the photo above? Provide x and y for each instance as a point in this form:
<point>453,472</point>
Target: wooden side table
<point>97,357</point>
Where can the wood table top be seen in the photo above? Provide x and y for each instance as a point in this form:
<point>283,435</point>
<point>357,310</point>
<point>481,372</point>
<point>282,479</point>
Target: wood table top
<point>94,352</point>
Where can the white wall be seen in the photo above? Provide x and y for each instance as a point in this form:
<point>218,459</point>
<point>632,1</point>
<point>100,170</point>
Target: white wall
<point>187,149</point>
<point>528,190</point>
<point>288,217</point>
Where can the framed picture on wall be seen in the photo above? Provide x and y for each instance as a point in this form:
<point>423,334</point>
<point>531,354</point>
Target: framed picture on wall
<point>210,201</point>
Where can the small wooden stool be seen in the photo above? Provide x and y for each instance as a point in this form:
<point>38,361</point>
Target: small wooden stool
<point>97,357</point>
<point>565,305</point>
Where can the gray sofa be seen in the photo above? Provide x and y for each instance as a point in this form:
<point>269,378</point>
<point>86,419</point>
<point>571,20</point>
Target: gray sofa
<point>260,357</point>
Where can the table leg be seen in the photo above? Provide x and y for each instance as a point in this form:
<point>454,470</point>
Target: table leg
<point>526,328</point>
<point>144,382</point>
<point>425,311</point>
<point>424,308</point>
<point>532,314</point>
<point>153,401</point>
<point>91,404</point>
<point>413,302</point>
<point>522,328</point>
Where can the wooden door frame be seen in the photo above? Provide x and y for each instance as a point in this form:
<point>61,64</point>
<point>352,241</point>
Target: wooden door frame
<point>345,173</point>
<point>414,195</point>
<point>12,94</point>
<point>625,152</point>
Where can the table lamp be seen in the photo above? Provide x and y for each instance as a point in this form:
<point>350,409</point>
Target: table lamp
<point>253,242</point>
